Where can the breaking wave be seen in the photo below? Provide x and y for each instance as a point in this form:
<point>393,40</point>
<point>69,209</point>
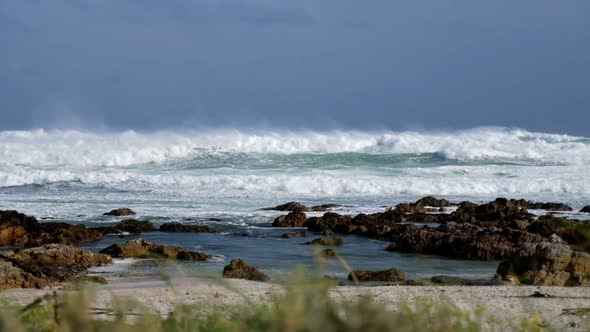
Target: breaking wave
<point>40,148</point>
<point>454,180</point>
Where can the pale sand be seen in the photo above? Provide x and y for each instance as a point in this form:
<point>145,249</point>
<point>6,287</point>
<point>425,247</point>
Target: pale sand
<point>506,303</point>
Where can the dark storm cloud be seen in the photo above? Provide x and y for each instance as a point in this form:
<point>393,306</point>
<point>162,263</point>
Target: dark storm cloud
<point>149,64</point>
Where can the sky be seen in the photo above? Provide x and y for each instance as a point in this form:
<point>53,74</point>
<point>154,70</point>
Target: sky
<point>298,64</point>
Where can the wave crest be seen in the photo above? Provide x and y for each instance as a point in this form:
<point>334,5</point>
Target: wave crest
<point>40,148</point>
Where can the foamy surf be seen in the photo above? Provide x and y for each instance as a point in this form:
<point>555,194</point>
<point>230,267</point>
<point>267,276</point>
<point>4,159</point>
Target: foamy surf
<point>86,149</point>
<point>58,172</point>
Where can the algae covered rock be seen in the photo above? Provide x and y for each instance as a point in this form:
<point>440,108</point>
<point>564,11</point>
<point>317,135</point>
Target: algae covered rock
<point>389,275</point>
<point>145,249</point>
<point>239,269</point>
<point>295,218</point>
<point>548,264</point>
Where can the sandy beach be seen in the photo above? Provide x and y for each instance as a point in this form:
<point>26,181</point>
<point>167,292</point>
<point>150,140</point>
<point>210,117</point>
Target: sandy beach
<point>504,303</point>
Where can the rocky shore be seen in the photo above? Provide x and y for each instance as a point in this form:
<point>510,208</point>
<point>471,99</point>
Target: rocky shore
<point>546,250</point>
<point>499,230</point>
<point>37,255</point>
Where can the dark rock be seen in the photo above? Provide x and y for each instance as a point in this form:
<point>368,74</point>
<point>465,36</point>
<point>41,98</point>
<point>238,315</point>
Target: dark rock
<point>433,202</point>
<point>427,217</point>
<point>455,281</point>
<point>17,229</point>
<point>548,206</point>
<point>330,221</point>
<point>294,235</point>
<point>120,212</point>
<point>423,205</point>
<point>143,249</point>
<point>407,208</point>
<point>13,218</point>
<point>291,206</point>
<point>541,295</point>
<point>135,226</point>
<point>184,228</point>
<point>376,225</point>
<point>323,207</point>
<point>500,210</point>
<point>548,264</point>
<point>295,218</point>
<point>585,209</point>
<point>327,241</point>
<point>63,233</point>
<point>214,219</point>
<point>239,269</point>
<point>413,283</point>
<point>464,241</point>
<point>390,275</point>
<point>107,230</point>
<point>520,224</point>
<point>131,226</point>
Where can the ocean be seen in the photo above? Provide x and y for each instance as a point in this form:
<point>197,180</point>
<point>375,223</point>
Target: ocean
<point>229,175</point>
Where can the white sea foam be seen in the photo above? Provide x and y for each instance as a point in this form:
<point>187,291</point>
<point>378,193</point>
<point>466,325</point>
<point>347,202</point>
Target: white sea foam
<point>451,180</point>
<point>84,149</point>
<point>544,163</point>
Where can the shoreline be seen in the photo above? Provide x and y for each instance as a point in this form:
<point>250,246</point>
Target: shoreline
<point>537,250</point>
<point>504,303</point>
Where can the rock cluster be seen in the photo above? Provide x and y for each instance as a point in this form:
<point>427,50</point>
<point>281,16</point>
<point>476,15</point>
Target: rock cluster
<point>14,277</point>
<point>465,241</point>
<point>144,249</point>
<point>500,211</point>
<point>19,230</point>
<point>184,228</point>
<point>488,231</point>
<point>131,226</point>
<point>50,259</point>
<point>41,266</point>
